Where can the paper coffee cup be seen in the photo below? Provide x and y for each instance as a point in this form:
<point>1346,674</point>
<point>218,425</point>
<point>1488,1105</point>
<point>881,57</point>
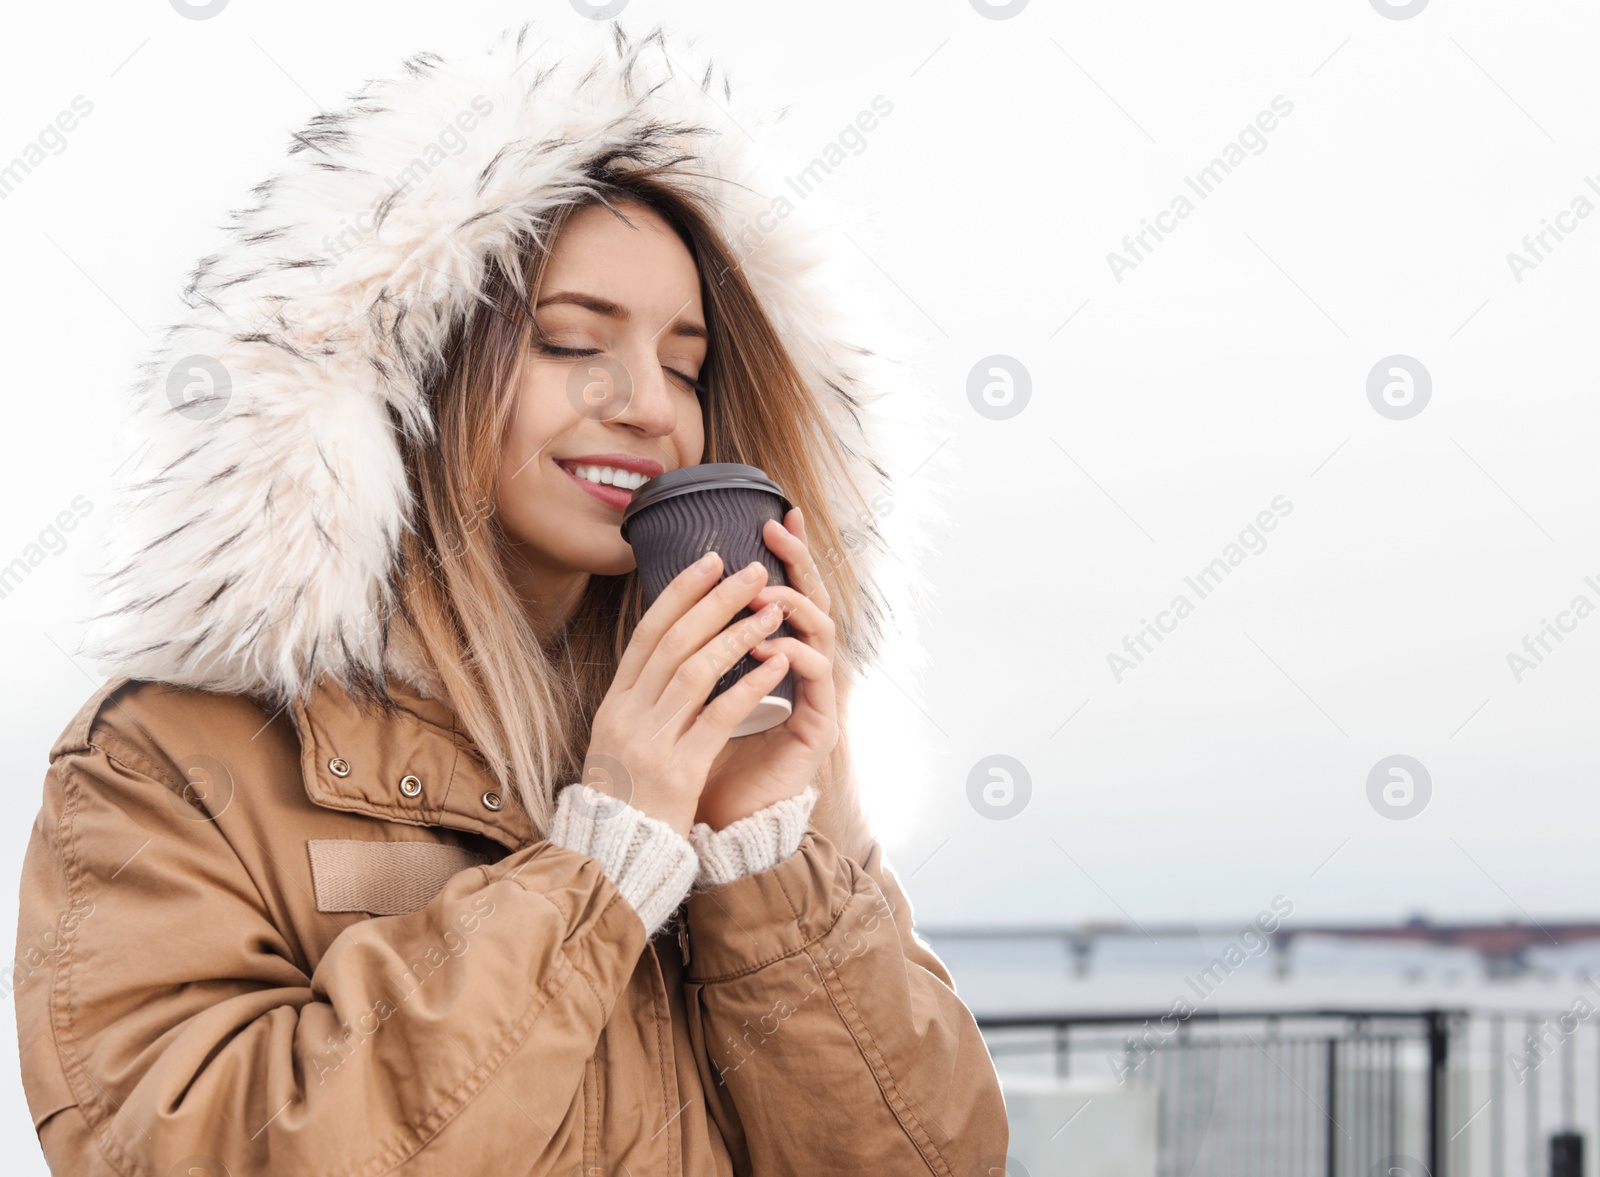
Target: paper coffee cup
<point>679,516</point>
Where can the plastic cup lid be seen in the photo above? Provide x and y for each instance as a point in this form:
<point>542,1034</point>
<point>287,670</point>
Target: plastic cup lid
<point>704,476</point>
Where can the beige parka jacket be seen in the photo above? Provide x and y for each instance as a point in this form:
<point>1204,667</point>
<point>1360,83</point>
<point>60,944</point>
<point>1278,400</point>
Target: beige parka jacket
<point>264,930</point>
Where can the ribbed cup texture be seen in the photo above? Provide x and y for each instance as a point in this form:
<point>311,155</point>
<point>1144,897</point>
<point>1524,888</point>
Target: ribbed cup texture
<point>672,534</point>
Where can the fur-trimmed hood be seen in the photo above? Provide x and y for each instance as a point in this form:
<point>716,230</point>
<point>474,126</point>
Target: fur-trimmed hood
<point>256,525</point>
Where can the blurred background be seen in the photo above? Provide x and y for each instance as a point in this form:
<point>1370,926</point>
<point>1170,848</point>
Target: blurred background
<point>1246,776</point>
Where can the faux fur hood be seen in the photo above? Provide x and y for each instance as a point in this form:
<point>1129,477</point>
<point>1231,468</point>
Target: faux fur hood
<point>255,529</point>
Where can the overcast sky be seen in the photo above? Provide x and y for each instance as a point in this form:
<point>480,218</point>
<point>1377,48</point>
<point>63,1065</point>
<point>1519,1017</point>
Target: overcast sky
<point>1185,389</point>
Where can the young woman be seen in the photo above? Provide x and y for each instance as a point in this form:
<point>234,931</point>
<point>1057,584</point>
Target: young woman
<point>402,838</point>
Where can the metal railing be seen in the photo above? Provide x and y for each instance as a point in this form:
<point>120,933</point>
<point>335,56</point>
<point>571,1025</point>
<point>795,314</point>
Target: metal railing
<point>1339,1092</point>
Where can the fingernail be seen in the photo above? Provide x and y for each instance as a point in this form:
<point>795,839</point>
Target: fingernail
<point>704,563</point>
<point>752,572</point>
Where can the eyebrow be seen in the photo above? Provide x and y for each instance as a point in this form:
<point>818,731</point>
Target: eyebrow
<point>611,310</point>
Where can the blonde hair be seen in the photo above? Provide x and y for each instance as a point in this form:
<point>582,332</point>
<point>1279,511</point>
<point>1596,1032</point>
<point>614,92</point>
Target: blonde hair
<point>528,701</point>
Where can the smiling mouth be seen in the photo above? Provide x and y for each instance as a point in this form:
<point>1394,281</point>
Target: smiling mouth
<point>623,480</point>
<point>616,496</point>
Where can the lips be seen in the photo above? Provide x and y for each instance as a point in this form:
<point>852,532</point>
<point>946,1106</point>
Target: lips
<point>615,497</point>
<point>638,465</point>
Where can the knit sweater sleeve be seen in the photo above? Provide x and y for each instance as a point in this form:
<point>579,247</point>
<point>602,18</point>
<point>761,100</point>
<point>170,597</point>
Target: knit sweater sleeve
<point>650,862</point>
<point>754,843</point>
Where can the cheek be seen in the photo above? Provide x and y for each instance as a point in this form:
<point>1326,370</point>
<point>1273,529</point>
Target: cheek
<point>692,434</point>
<point>540,413</point>
<point>527,441</point>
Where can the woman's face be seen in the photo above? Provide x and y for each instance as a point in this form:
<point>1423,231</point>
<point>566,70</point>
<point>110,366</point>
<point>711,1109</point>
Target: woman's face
<point>626,297</point>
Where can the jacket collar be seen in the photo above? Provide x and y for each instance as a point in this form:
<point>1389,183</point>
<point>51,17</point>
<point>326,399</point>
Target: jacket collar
<point>415,767</point>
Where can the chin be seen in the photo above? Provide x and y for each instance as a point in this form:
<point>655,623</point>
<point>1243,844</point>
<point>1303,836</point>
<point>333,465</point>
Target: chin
<point>615,559</point>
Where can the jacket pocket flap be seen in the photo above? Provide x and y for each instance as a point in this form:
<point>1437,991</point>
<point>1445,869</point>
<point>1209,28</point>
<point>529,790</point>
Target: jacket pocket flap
<point>383,878</point>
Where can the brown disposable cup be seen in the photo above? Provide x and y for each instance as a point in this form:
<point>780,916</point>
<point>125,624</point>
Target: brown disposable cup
<point>679,516</point>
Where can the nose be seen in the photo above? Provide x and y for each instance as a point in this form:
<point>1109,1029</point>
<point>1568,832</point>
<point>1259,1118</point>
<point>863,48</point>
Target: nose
<point>650,407</point>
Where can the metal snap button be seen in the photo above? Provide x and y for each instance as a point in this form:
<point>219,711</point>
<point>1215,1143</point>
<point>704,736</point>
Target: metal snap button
<point>491,800</point>
<point>410,786</point>
<point>339,766</point>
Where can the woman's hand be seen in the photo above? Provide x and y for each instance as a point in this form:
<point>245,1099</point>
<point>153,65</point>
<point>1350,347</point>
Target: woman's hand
<point>752,772</point>
<point>654,736</point>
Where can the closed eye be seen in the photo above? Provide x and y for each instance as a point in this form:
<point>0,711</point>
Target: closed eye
<point>551,349</point>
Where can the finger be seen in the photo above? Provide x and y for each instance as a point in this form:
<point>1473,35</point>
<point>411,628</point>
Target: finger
<point>675,600</point>
<point>789,545</point>
<point>702,622</point>
<point>691,684</point>
<point>717,719</point>
<point>807,661</point>
<point>813,669</point>
<point>802,568</point>
<point>802,614</point>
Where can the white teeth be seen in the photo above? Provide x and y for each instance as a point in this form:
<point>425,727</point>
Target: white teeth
<point>606,476</point>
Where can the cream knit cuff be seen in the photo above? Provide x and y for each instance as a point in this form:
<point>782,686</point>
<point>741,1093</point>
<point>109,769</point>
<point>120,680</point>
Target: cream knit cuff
<point>650,862</point>
<point>754,843</point>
